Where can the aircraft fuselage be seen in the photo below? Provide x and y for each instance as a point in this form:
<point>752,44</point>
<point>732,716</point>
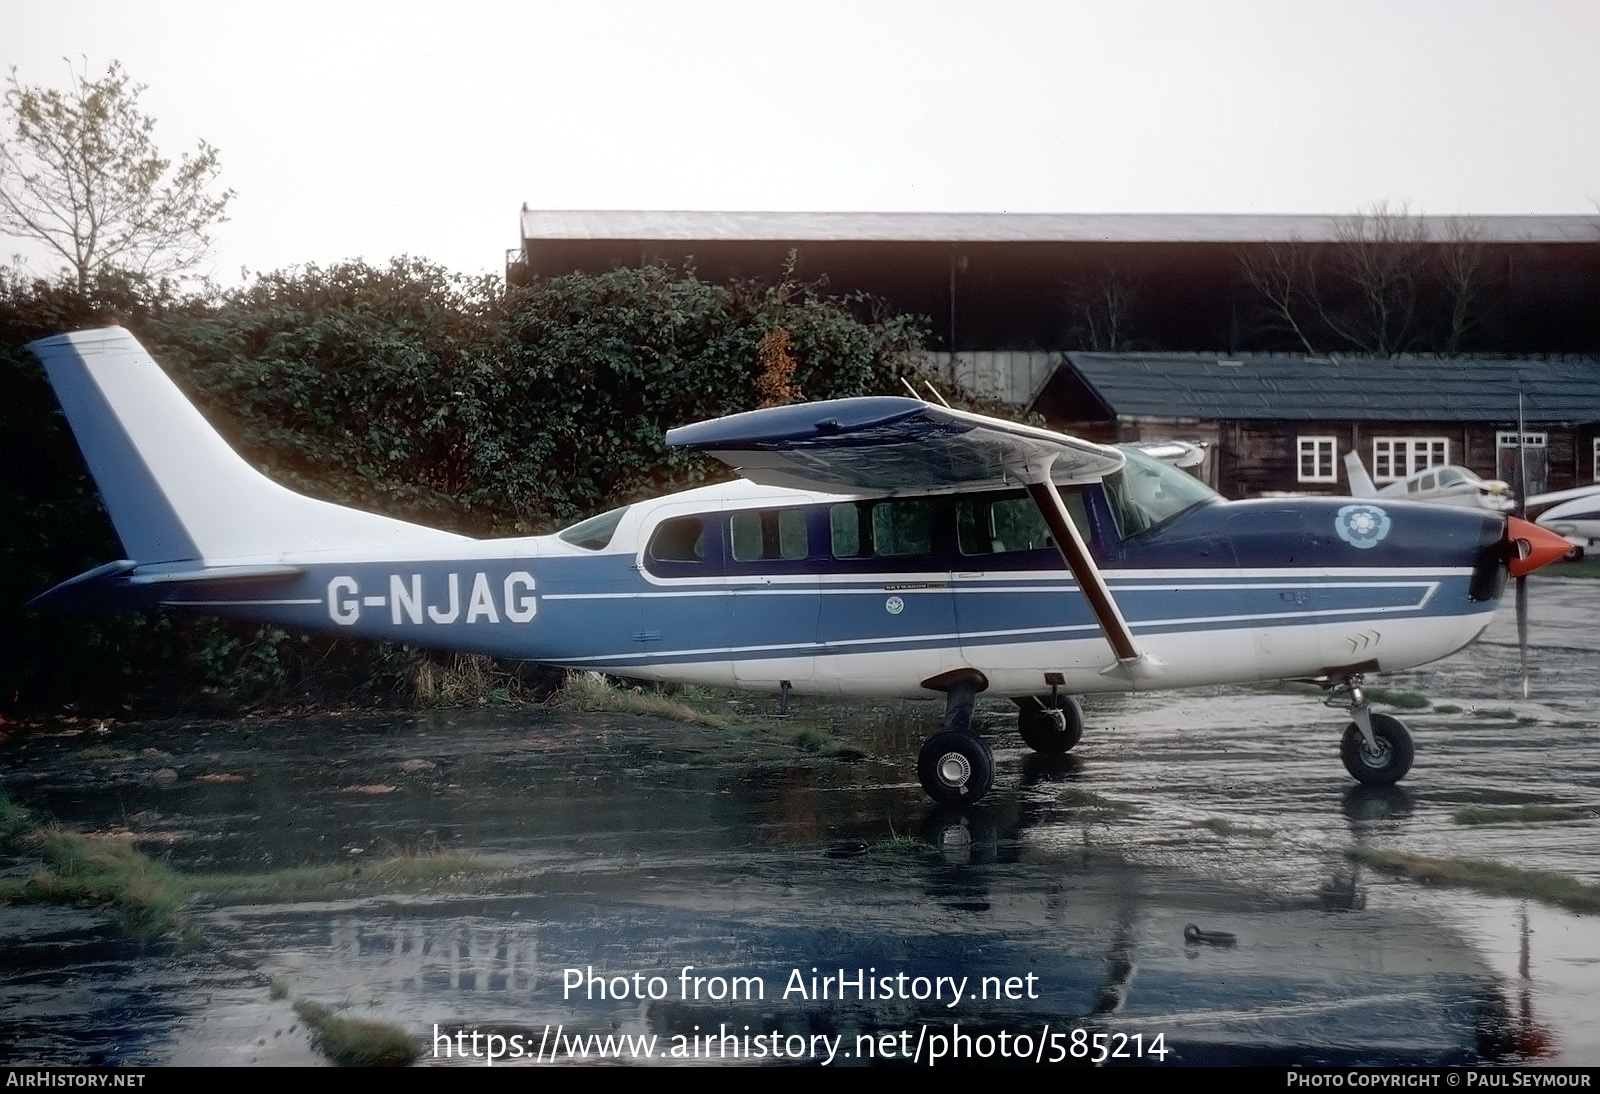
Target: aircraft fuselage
<point>750,586</point>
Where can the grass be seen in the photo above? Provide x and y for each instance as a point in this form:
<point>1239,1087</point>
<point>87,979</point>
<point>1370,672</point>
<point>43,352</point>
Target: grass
<point>1587,567</point>
<point>816,741</point>
<point>1486,877</point>
<point>90,871</point>
<point>1519,814</point>
<point>109,871</point>
<point>1400,700</point>
<point>590,691</point>
<point>1447,708</point>
<point>356,1042</point>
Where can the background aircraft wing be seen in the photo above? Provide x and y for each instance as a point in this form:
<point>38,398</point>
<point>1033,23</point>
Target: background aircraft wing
<point>1564,495</point>
<point>892,445</point>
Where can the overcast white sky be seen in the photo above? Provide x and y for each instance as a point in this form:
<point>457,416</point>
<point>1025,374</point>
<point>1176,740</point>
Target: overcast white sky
<point>376,129</point>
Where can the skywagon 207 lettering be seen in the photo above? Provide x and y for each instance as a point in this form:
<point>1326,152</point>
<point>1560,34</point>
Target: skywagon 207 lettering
<point>876,546</point>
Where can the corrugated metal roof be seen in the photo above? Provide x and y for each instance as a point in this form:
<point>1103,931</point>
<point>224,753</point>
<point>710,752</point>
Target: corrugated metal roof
<point>555,224</point>
<point>1290,387</point>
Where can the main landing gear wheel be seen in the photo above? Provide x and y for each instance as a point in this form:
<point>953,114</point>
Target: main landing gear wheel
<point>1051,730</point>
<point>1384,765</point>
<point>956,768</point>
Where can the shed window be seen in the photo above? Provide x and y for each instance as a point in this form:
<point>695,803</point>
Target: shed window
<point>1396,457</point>
<point>1316,459</point>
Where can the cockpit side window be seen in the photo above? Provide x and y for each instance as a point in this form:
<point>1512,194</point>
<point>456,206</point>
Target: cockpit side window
<point>1148,492</point>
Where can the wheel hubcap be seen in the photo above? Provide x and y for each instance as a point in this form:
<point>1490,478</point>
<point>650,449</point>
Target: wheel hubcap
<point>954,769</point>
<point>1376,757</point>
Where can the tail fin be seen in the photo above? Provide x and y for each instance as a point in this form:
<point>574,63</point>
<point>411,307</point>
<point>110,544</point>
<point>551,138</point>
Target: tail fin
<point>1361,485</point>
<point>175,490</point>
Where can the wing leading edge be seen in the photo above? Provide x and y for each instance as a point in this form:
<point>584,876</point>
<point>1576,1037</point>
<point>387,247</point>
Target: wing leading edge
<point>889,445</point>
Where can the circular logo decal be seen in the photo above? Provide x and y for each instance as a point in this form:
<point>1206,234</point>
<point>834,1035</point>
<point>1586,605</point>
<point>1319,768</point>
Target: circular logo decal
<point>894,605</point>
<point>1362,526</point>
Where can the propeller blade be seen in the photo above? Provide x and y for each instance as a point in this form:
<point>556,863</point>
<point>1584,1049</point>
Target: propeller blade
<point>1522,546</point>
<point>1522,630</point>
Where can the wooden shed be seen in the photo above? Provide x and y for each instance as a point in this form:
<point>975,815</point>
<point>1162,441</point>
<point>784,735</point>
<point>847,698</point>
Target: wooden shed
<point>1282,422</point>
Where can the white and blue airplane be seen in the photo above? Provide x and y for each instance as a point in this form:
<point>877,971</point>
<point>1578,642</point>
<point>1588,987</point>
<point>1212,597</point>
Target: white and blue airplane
<point>877,546</point>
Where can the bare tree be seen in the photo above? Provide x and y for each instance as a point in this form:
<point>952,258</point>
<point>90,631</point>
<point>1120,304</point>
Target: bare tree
<point>1389,282</point>
<point>1101,309</point>
<point>80,172</point>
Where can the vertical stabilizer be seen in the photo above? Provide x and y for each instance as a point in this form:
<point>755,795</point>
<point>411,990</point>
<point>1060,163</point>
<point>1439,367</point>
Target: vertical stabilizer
<point>174,488</point>
<point>1361,484</point>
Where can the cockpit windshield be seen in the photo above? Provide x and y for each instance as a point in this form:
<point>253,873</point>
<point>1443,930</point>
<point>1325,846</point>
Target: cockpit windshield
<point>1148,492</point>
<point>596,532</point>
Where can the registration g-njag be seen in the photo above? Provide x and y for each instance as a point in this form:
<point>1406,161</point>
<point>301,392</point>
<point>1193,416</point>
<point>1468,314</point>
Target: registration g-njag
<point>875,546</point>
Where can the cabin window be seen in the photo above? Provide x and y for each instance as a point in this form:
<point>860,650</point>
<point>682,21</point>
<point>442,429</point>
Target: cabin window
<point>1596,475</point>
<point>892,528</point>
<point>768,534</point>
<point>998,524</point>
<point>1316,459</point>
<point>1394,458</point>
<point>595,533</point>
<point>682,539</point>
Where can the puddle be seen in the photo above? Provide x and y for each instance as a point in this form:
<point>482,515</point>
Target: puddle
<point>641,846</point>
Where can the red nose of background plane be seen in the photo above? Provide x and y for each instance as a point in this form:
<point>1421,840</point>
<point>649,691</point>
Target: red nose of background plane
<point>1530,547</point>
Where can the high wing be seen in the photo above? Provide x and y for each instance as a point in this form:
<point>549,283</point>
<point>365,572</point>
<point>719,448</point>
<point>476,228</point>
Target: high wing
<point>892,445</point>
<point>888,445</point>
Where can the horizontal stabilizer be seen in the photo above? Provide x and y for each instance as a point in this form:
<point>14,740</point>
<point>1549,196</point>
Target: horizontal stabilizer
<point>126,585</point>
<point>210,574</point>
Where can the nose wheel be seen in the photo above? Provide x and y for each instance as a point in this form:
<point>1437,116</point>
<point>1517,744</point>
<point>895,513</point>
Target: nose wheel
<point>1386,760</point>
<point>1376,749</point>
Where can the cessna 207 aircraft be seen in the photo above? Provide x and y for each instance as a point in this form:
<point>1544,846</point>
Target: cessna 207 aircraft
<point>879,546</point>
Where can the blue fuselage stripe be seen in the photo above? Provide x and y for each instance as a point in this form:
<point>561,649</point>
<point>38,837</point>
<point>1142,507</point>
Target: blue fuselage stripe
<point>601,611</point>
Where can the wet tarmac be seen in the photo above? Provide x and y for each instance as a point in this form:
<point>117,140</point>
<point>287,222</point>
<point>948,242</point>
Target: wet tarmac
<point>1046,924</point>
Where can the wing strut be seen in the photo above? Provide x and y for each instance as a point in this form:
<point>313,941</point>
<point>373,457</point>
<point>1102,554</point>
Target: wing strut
<point>1076,555</point>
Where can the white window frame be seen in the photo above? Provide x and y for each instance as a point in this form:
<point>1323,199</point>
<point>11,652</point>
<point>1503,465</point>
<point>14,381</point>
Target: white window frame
<point>1396,458</point>
<point>1323,452</point>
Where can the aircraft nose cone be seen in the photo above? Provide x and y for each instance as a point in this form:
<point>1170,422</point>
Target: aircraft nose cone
<point>1529,547</point>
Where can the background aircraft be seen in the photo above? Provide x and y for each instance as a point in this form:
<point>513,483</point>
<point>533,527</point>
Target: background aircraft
<point>1443,485</point>
<point>1576,517</point>
<point>882,546</point>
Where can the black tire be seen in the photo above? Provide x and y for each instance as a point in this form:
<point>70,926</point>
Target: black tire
<point>1391,761</point>
<point>1041,733</point>
<point>955,768</point>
